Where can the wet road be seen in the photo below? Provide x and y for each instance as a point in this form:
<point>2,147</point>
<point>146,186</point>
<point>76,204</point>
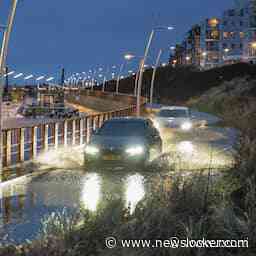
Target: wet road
<point>25,202</point>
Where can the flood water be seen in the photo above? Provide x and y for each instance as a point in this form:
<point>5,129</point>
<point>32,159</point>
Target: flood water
<point>24,203</point>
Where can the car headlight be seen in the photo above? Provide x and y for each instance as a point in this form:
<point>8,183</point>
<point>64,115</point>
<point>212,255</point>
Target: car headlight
<point>91,150</point>
<point>186,126</point>
<point>135,150</point>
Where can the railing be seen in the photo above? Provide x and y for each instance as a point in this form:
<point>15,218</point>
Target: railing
<point>23,144</point>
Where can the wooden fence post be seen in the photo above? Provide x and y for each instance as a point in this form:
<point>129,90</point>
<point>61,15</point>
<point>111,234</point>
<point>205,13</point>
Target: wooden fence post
<point>56,135</point>
<point>34,142</point>
<point>46,135</point>
<point>22,142</point>
<point>9,148</point>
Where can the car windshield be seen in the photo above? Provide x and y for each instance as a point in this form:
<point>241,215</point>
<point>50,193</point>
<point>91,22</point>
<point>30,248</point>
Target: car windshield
<point>173,113</point>
<point>122,129</point>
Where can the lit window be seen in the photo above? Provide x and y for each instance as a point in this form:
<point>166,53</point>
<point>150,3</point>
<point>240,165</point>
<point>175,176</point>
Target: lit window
<point>213,22</point>
<point>241,34</point>
<point>225,35</point>
<point>215,34</point>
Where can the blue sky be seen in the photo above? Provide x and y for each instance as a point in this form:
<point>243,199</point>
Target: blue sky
<point>84,34</point>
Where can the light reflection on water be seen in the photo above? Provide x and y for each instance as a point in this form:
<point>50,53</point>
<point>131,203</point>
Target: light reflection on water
<point>23,205</point>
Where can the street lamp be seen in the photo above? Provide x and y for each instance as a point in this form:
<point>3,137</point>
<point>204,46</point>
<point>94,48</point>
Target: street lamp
<point>3,56</point>
<point>153,76</point>
<point>18,75</point>
<point>92,81</point>
<point>144,61</point>
<point>127,57</point>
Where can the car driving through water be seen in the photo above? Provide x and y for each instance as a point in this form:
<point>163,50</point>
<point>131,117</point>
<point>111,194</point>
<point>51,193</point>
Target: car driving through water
<point>125,141</point>
<point>174,117</point>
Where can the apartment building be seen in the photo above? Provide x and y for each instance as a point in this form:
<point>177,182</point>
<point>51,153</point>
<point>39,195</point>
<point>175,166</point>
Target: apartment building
<point>249,49</point>
<point>217,41</point>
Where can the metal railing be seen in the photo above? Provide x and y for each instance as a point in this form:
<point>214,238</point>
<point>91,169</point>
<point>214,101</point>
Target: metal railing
<point>23,144</point>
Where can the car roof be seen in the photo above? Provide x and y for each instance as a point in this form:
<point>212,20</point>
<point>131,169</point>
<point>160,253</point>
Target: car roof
<point>174,108</point>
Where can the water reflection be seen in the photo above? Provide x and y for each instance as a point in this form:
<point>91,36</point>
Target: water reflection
<point>24,205</point>
<point>91,191</point>
<point>99,189</point>
<point>135,191</point>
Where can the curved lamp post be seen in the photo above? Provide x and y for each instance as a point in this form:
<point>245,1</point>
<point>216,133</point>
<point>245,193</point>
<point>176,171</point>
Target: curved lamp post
<point>3,56</point>
<point>144,61</point>
<point>127,57</point>
<point>154,76</point>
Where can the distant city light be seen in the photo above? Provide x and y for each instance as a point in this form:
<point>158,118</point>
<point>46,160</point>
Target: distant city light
<point>40,78</point>
<point>49,79</point>
<point>9,73</point>
<point>28,77</point>
<point>128,56</point>
<point>18,75</point>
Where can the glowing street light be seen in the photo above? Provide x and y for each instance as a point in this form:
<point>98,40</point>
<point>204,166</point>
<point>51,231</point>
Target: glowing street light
<point>143,61</point>
<point>9,73</point>
<point>18,75</point>
<point>40,78</point>
<point>50,79</point>
<point>127,57</point>
<point>28,77</point>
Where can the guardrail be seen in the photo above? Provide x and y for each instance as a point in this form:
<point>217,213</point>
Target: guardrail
<point>23,144</point>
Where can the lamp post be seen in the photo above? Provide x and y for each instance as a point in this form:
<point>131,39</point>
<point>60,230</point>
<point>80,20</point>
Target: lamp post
<point>3,56</point>
<point>154,76</point>
<point>127,57</point>
<point>105,80</point>
<point>143,63</point>
<point>92,81</point>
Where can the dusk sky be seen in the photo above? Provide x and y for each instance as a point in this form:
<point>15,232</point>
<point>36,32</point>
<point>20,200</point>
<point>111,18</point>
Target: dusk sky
<point>84,34</point>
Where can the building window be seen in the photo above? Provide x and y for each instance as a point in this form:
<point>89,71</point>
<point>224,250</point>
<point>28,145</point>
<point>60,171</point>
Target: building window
<point>227,35</point>
<point>241,46</point>
<point>241,23</point>
<point>241,34</point>
<point>224,46</point>
<point>225,23</point>
<point>233,46</point>
<point>242,12</point>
